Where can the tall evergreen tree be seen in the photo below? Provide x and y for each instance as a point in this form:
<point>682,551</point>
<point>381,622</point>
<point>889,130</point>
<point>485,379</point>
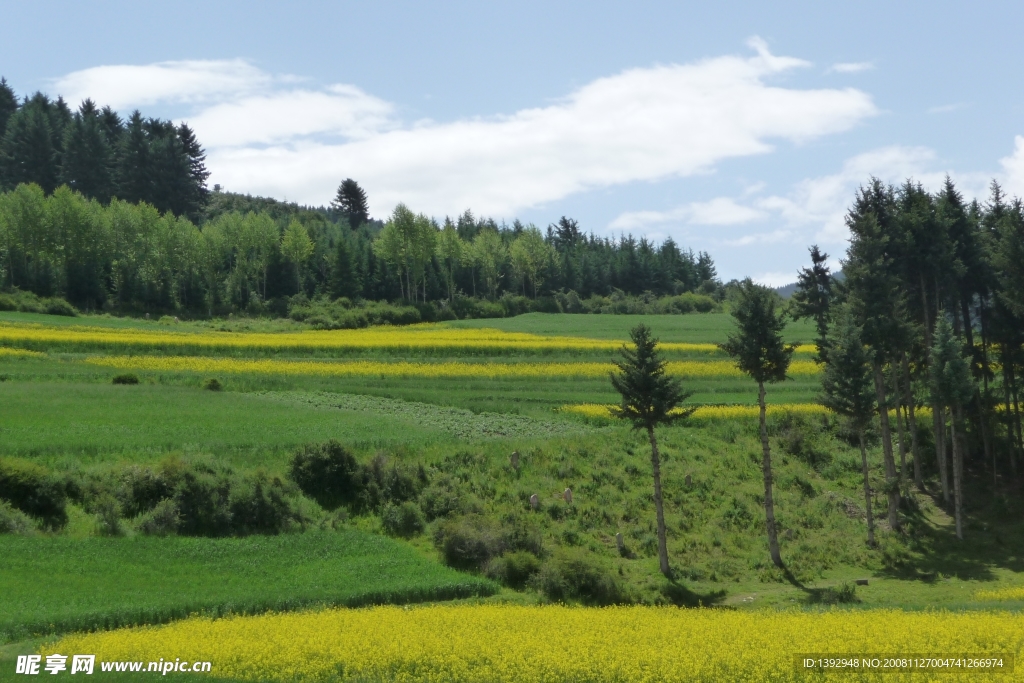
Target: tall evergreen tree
<point>86,163</point>
<point>848,390</point>
<point>759,351</point>
<point>649,398</point>
<point>813,298</point>
<point>28,152</point>
<point>351,200</point>
<point>8,105</point>
<point>134,169</point>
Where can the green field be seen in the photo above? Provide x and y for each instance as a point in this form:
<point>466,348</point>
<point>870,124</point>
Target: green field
<point>453,438</point>
<point>64,584</point>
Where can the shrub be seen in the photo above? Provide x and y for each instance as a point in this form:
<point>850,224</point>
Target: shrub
<point>203,502</point>
<point>126,378</point>
<point>108,513</point>
<point>443,497</point>
<point>469,542</point>
<point>513,569</point>
<point>162,520</point>
<point>577,575</point>
<point>140,489</point>
<point>260,506</point>
<point>31,489</point>
<point>14,521</point>
<point>326,472</point>
<point>403,520</point>
<point>844,593</point>
<point>27,302</point>
<point>381,483</point>
<point>212,384</point>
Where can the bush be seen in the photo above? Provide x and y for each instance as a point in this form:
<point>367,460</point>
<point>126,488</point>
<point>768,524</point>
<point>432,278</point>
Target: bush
<point>327,473</point>
<point>469,542</point>
<point>576,575</point>
<point>203,502</point>
<point>380,483</point>
<point>212,384</point>
<point>140,489</point>
<point>108,512</point>
<point>126,378</point>
<point>844,593</point>
<point>27,302</point>
<point>513,569</point>
<point>443,497</point>
<point>31,489</point>
<point>162,520</point>
<point>403,520</point>
<point>260,506</point>
<point>14,521</point>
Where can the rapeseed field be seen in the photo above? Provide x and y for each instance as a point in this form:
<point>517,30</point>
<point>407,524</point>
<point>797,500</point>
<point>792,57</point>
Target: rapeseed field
<point>411,369</point>
<point>499,643</point>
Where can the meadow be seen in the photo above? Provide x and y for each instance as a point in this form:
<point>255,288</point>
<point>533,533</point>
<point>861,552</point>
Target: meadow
<point>431,415</point>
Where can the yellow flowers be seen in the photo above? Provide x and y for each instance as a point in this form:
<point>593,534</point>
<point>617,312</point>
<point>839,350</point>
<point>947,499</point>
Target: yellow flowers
<point>1001,594</point>
<point>7,352</point>
<point>401,369</point>
<point>501,643</point>
<point>708,412</point>
<point>412,337</point>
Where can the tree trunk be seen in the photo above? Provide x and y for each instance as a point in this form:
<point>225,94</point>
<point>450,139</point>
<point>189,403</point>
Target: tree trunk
<point>912,418</point>
<point>1015,418</point>
<point>958,476</point>
<point>659,506</point>
<point>766,470</point>
<point>1011,436</point>
<point>891,491</point>
<point>900,434</point>
<point>867,488</point>
<point>990,454</point>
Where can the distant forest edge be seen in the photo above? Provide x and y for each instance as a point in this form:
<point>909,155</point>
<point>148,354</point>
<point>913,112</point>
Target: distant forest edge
<point>115,215</point>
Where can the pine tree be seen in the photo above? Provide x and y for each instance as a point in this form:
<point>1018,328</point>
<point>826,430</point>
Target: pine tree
<point>8,105</point>
<point>848,390</point>
<point>86,163</point>
<point>28,152</point>
<point>813,298</point>
<point>134,172</point>
<point>760,352</point>
<point>649,398</point>
<point>351,200</point>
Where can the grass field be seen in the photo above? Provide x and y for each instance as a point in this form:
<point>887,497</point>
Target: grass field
<point>449,404</point>
<point>64,584</point>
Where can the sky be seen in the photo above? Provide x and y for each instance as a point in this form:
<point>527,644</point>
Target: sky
<point>738,128</point>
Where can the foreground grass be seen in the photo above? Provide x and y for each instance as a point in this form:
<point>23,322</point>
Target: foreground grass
<point>496,643</point>
<point>55,585</point>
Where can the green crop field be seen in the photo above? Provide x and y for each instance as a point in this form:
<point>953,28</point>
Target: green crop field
<point>107,582</point>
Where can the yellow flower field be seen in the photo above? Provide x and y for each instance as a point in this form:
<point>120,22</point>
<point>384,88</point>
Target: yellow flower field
<point>8,352</point>
<point>497,644</point>
<point>1001,594</point>
<point>708,412</point>
<point>410,369</point>
<point>424,336</point>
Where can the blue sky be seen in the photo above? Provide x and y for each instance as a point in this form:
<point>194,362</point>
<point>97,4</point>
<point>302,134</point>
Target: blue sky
<point>738,128</point>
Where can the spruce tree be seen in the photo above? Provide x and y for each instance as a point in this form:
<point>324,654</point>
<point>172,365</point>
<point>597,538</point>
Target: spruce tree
<point>8,105</point>
<point>133,166</point>
<point>649,398</point>
<point>351,200</point>
<point>86,163</point>
<point>813,298</point>
<point>848,390</point>
<point>759,351</point>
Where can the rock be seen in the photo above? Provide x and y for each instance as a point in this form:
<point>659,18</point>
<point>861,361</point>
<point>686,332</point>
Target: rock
<point>789,534</point>
<point>534,501</point>
<point>514,460</point>
<point>620,542</point>
<point>861,582</point>
<point>567,496</point>
<point>689,481</point>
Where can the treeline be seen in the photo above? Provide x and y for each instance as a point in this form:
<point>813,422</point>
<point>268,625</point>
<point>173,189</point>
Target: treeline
<point>96,153</point>
<point>264,257</point>
<point>930,315</point>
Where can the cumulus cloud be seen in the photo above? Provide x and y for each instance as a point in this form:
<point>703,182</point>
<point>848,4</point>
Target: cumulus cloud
<point>851,67</point>
<point>266,135</point>
<point>1013,169</point>
<point>718,211</point>
<point>189,81</point>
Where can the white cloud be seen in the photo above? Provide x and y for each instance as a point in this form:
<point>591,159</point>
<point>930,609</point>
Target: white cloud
<point>190,81</point>
<point>776,278</point>
<point>1013,169</point>
<point>851,67</point>
<point>718,211</point>
<point>266,136</point>
<point>773,237</point>
<point>946,108</point>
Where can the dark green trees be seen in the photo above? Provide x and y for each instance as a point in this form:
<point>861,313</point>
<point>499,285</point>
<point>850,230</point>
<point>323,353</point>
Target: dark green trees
<point>649,398</point>
<point>848,390</point>
<point>813,298</point>
<point>759,352</point>
<point>351,200</point>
